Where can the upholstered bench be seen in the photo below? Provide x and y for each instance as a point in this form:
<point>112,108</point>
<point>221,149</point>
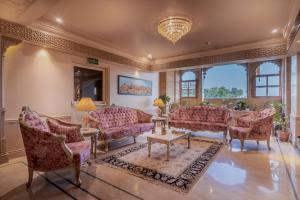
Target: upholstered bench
<point>200,118</point>
<point>117,122</point>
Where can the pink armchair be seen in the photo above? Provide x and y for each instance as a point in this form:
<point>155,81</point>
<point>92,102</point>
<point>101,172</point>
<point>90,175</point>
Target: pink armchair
<point>51,144</point>
<point>254,126</point>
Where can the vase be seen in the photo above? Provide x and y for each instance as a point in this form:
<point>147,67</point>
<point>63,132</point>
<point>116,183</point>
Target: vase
<point>284,136</point>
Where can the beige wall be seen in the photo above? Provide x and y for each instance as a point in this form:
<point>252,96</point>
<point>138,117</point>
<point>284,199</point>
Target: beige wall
<point>143,102</point>
<point>43,79</point>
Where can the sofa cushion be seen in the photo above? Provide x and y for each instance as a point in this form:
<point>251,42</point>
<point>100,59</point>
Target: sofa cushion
<point>217,114</point>
<point>101,118</point>
<point>70,132</point>
<point>176,123</point>
<point>186,114</point>
<point>81,151</point>
<point>200,115</point>
<point>34,120</point>
<point>145,126</point>
<point>205,126</point>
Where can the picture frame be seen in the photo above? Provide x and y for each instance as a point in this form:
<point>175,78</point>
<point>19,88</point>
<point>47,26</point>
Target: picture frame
<point>134,86</point>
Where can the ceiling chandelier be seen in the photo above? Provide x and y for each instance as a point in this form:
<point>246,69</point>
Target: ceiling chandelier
<point>174,27</point>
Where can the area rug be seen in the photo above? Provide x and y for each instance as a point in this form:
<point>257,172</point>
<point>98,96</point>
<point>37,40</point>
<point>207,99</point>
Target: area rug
<point>180,173</point>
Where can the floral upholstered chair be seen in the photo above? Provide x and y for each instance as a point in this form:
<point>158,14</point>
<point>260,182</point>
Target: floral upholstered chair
<point>51,144</point>
<point>253,126</point>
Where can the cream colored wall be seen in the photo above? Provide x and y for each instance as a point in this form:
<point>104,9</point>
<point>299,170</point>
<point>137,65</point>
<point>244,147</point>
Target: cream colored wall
<point>142,102</point>
<point>43,79</point>
<point>39,78</point>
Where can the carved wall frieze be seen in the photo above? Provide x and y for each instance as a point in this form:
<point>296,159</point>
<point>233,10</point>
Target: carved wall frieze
<point>20,32</point>
<point>6,42</point>
<point>225,58</point>
<point>293,32</point>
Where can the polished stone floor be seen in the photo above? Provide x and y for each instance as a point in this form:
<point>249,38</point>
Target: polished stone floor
<point>252,174</point>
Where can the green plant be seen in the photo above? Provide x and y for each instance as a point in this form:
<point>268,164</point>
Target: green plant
<point>284,123</point>
<point>204,103</point>
<point>165,99</point>
<point>278,107</point>
<point>241,105</point>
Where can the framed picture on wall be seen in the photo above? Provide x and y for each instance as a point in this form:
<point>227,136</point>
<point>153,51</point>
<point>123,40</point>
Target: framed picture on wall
<point>134,86</point>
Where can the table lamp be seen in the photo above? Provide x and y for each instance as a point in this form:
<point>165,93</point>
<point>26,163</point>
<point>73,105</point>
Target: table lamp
<point>85,104</point>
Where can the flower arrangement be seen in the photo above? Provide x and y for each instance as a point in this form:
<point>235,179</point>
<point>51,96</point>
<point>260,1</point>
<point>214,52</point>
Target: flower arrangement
<point>160,104</point>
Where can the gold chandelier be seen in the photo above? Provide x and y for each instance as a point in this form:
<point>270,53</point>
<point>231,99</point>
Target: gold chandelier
<point>174,27</point>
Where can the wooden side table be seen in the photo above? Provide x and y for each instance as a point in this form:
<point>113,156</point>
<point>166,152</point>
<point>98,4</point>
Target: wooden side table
<point>93,133</point>
<point>162,120</point>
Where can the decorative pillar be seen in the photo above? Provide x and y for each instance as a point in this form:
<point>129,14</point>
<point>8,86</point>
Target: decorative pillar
<point>5,43</point>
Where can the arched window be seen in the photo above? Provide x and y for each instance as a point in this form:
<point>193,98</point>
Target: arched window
<point>267,80</point>
<point>224,81</point>
<point>188,84</point>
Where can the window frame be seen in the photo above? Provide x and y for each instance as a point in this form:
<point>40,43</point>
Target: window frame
<point>267,86</point>
<point>243,65</point>
<point>188,85</point>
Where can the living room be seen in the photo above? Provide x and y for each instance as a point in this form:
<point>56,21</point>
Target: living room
<point>149,99</point>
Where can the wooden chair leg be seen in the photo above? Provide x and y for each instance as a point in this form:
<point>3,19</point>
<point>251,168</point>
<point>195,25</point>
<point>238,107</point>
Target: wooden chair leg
<point>134,139</point>
<point>77,175</point>
<point>106,146</point>
<point>242,145</point>
<point>30,176</point>
<point>268,143</point>
<point>225,136</point>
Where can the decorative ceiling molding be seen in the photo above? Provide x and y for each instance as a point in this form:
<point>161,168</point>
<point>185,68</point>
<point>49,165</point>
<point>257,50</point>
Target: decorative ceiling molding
<point>46,25</point>
<point>295,29</point>
<point>237,56</point>
<point>21,32</point>
<point>7,42</point>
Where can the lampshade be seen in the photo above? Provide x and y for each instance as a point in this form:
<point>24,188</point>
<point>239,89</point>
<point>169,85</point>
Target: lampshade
<point>158,102</point>
<point>85,104</point>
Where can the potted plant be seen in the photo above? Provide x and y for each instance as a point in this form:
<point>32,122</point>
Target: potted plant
<point>281,123</point>
<point>283,131</point>
<point>241,105</point>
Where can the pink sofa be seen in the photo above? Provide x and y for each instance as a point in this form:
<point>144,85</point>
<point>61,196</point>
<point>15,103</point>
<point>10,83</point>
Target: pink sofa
<point>51,144</point>
<point>253,126</point>
<point>117,122</point>
<point>200,118</point>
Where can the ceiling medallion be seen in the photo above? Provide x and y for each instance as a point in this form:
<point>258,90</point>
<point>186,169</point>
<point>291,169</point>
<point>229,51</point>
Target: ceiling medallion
<point>174,27</point>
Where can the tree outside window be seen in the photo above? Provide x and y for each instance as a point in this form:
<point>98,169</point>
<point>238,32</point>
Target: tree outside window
<point>225,81</point>
<point>188,84</point>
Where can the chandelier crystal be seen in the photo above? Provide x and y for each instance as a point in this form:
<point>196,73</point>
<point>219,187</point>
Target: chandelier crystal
<point>174,27</point>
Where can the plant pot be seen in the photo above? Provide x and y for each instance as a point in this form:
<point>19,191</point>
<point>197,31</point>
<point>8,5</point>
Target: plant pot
<point>283,136</point>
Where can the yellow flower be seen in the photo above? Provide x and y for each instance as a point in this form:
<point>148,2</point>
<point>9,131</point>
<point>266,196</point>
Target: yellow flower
<point>158,102</point>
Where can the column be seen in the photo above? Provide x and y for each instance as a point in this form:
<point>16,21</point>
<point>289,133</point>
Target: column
<point>5,43</point>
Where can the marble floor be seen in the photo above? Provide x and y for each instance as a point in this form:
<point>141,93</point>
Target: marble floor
<point>252,174</point>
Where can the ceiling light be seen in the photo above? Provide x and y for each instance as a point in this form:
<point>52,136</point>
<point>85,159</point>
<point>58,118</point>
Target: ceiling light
<point>149,56</point>
<point>275,30</point>
<point>59,20</point>
<point>174,27</point>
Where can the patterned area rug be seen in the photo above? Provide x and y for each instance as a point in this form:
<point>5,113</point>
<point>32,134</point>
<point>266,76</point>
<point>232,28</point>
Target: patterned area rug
<point>180,173</point>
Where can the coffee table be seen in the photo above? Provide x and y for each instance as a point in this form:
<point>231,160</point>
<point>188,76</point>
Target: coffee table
<point>170,136</point>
